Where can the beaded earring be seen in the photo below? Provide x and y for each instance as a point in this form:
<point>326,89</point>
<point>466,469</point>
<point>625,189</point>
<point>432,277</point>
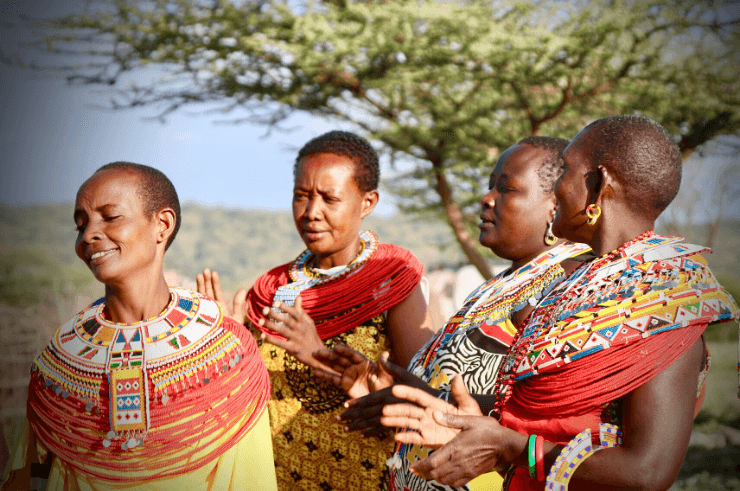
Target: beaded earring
<point>593,212</point>
<point>550,238</point>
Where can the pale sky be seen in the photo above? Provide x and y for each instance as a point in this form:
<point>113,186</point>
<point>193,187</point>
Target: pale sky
<point>53,136</point>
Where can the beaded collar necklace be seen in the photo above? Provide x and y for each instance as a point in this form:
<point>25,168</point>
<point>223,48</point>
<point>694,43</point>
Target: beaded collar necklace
<point>524,340</point>
<point>305,277</point>
<point>508,292</point>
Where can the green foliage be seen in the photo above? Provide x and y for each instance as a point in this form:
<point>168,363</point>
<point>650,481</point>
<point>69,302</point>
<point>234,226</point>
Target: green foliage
<point>37,245</point>
<point>27,273</point>
<point>721,397</point>
<point>706,481</point>
<point>445,86</point>
<point>243,244</point>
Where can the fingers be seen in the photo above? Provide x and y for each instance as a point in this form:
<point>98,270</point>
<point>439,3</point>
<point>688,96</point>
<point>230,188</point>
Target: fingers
<point>368,427</point>
<point>409,437</point>
<point>280,343</point>
<point>327,376</point>
<point>275,317</point>
<point>392,369</point>
<point>403,416</point>
<point>208,282</point>
<point>426,467</point>
<point>332,359</point>
<point>452,420</point>
<point>419,397</point>
<point>240,300</point>
<point>200,284</point>
<point>465,401</point>
<point>352,356</point>
<point>293,312</point>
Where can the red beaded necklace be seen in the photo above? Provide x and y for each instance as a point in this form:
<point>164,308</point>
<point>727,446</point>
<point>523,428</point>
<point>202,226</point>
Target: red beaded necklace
<point>572,287</point>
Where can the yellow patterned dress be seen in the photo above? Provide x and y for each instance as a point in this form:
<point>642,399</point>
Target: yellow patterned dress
<point>311,449</point>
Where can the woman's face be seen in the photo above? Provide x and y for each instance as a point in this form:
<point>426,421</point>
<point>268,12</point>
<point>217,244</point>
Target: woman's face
<point>328,208</point>
<point>116,239</point>
<point>516,211</point>
<point>571,192</point>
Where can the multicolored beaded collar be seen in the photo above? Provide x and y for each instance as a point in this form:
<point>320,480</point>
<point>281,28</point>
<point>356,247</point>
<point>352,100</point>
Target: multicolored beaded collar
<point>304,278</point>
<point>496,300</point>
<point>649,285</point>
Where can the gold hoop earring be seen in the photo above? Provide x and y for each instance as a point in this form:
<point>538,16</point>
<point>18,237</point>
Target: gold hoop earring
<point>593,212</point>
<point>550,238</point>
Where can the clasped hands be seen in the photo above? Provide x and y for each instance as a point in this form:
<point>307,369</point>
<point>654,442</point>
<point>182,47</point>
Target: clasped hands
<point>296,330</point>
<point>384,396</point>
<point>467,444</point>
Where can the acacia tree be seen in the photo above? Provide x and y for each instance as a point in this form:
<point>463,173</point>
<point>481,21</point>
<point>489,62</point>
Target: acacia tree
<point>442,86</point>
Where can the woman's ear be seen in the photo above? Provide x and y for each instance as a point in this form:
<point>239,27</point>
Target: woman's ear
<point>552,205</point>
<point>166,219</point>
<point>369,202</point>
<point>607,183</point>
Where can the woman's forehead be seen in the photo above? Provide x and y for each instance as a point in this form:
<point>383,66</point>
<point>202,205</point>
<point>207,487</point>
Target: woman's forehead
<point>110,185</point>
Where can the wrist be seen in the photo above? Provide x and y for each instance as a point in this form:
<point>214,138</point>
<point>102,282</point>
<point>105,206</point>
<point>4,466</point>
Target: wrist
<point>515,449</point>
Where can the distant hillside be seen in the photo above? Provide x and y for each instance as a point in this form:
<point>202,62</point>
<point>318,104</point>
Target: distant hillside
<point>242,244</point>
<point>239,244</point>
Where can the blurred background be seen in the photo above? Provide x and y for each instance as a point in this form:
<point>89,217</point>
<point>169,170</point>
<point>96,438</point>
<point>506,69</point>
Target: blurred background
<point>221,95</point>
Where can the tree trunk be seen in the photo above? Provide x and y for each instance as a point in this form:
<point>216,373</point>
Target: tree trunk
<point>455,218</point>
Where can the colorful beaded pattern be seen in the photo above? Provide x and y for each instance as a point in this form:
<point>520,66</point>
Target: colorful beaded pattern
<point>175,351</point>
<point>496,300</point>
<point>648,286</point>
<point>578,450</point>
<point>572,455</point>
<point>303,279</point>
<point>165,409</point>
<point>474,341</point>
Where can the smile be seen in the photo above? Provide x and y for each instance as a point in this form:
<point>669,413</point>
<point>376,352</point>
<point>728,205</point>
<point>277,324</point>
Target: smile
<point>101,254</point>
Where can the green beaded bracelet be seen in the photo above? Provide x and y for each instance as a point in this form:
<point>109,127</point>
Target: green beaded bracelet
<point>532,460</point>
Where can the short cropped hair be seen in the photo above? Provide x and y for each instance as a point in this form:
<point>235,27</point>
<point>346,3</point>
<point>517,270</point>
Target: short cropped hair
<point>552,167</point>
<point>642,155</point>
<point>346,144</point>
<point>156,191</point>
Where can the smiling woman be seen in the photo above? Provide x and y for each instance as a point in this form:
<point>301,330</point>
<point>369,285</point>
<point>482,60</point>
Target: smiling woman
<point>149,387</point>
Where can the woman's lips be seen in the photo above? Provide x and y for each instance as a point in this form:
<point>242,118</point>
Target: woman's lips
<point>100,256</point>
<point>313,234</point>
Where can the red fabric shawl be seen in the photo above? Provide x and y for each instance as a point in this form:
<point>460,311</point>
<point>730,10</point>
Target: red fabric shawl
<point>384,281</point>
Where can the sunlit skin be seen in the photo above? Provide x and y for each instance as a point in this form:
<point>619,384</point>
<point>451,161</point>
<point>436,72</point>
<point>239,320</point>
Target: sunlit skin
<point>656,417</point>
<point>582,184</point>
<point>514,216</point>
<point>328,208</point>
<point>516,210</point>
<point>123,246</point>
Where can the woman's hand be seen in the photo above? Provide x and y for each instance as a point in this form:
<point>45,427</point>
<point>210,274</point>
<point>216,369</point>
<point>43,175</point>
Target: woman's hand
<point>479,445</point>
<point>301,339</point>
<point>352,371</point>
<point>209,284</point>
<point>417,413</point>
<point>364,414</point>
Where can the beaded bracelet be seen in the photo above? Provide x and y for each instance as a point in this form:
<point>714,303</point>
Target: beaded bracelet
<point>578,450</point>
<point>572,455</point>
<point>539,457</point>
<point>531,459</point>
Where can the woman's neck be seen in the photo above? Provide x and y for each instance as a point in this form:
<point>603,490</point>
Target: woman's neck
<point>611,236</point>
<point>138,302</point>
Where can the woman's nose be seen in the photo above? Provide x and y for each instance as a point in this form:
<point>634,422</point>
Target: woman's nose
<point>313,209</point>
<point>488,201</point>
<point>92,232</point>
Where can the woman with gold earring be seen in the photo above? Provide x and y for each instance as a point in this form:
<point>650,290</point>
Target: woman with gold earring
<point>517,216</point>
